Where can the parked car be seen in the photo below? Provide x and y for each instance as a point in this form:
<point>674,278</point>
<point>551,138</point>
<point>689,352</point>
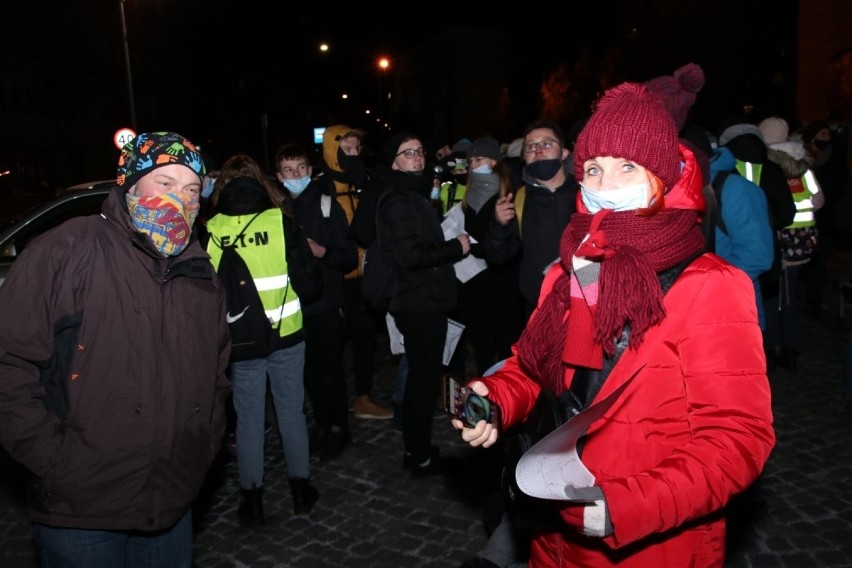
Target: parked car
<point>15,236</point>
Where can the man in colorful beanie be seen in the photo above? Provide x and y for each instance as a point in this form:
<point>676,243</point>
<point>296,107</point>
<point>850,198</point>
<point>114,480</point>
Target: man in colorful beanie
<point>633,305</point>
<point>113,349</point>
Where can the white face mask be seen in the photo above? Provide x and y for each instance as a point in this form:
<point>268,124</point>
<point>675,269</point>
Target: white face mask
<point>622,199</point>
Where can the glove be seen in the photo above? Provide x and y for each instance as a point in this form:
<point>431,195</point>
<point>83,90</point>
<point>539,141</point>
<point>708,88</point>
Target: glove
<point>587,511</point>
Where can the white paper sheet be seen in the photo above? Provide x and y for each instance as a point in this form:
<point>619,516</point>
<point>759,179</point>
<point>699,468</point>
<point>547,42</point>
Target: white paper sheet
<point>453,226</point>
<point>551,464</point>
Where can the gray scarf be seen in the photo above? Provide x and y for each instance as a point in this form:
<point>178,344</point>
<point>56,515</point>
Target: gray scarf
<point>482,188</point>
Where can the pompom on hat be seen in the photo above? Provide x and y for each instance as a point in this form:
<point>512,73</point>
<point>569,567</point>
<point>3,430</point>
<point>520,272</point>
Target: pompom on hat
<point>152,150</point>
<point>630,123</point>
<point>677,92</point>
<point>774,130</point>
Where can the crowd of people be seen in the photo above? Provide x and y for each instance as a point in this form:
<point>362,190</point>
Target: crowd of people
<point>120,359</point>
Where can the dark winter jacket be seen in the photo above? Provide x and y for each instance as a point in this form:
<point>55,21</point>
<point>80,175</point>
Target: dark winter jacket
<point>332,232</point>
<point>422,261</point>
<point>545,216</point>
<point>112,369</point>
<point>491,300</point>
<point>750,148</point>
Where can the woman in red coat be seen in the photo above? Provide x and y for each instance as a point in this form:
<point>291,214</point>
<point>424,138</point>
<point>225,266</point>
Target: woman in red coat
<point>694,427</point>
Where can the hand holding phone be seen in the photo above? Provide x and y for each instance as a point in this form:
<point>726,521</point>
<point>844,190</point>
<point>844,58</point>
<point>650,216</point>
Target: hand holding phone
<point>462,403</point>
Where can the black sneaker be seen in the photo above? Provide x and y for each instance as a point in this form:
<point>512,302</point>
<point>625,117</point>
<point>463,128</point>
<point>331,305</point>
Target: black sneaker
<point>335,443</point>
<point>409,462</point>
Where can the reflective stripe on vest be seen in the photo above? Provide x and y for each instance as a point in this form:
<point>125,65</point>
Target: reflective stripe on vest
<point>457,194</point>
<point>750,171</point>
<point>262,247</point>
<point>804,203</point>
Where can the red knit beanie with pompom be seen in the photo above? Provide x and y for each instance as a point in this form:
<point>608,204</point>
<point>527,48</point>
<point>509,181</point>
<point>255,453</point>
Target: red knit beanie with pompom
<point>630,123</point>
<point>677,92</point>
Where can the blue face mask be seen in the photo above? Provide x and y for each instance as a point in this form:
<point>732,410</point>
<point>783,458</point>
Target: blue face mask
<point>483,169</point>
<point>622,199</point>
<point>207,186</point>
<point>297,186</point>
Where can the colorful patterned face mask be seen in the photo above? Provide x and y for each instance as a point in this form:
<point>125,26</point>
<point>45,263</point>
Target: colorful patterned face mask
<point>166,219</point>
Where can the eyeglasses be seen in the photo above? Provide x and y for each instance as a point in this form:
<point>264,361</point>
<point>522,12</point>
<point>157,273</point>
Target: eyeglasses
<point>545,144</point>
<point>410,153</point>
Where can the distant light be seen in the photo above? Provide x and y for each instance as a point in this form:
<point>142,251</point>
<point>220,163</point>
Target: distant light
<point>384,63</point>
<point>7,172</point>
<point>344,96</point>
<point>323,47</point>
<point>367,111</point>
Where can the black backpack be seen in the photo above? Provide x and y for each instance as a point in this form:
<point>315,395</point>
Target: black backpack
<point>252,334</point>
<point>377,280</point>
<point>713,217</point>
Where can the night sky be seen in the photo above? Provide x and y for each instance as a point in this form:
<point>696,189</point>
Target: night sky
<point>211,68</point>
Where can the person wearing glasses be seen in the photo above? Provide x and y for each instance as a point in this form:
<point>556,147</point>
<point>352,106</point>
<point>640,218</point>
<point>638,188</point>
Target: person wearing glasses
<point>530,222</point>
<point>412,242</point>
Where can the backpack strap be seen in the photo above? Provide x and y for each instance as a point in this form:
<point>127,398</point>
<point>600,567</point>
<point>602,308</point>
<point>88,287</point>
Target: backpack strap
<point>218,241</point>
<point>520,197</point>
<point>325,205</point>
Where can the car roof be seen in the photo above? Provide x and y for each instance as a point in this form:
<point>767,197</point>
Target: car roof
<point>97,184</point>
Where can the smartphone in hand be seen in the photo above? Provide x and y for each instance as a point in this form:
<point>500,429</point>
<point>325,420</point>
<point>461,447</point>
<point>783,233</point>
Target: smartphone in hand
<point>469,407</point>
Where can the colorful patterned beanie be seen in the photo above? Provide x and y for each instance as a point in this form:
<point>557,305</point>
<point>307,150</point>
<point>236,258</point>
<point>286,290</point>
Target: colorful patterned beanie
<point>630,123</point>
<point>152,150</point>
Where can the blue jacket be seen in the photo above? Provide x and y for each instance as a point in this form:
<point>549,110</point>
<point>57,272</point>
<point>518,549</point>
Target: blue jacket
<point>748,242</point>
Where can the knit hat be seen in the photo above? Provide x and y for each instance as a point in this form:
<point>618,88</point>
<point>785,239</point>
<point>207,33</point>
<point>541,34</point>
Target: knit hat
<point>485,147</point>
<point>630,123</point>
<point>677,92</point>
<point>515,148</point>
<point>774,130</point>
<point>149,151</point>
<point>391,147</point>
<point>461,146</point>
<point>740,129</point>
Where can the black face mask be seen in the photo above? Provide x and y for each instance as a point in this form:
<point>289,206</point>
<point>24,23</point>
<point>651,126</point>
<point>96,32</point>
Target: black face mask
<point>822,144</point>
<point>354,166</point>
<point>544,169</point>
<point>460,179</point>
<point>411,181</point>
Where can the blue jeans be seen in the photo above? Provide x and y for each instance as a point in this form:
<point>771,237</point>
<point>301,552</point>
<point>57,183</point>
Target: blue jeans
<point>285,368</point>
<point>84,548</point>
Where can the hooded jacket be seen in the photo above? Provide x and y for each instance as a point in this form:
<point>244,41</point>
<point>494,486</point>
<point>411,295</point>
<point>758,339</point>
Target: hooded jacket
<point>345,185</point>
<point>693,428</point>
<point>112,369</point>
<point>748,240</point>
<point>750,148</point>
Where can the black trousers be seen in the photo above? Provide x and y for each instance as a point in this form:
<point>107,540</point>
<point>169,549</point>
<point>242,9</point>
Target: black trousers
<point>425,334</point>
<point>324,378</point>
<point>362,326</point>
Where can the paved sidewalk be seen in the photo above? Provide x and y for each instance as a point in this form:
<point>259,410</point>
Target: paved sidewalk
<point>372,514</point>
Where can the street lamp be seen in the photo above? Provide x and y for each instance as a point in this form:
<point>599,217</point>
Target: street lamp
<point>127,65</point>
<point>383,64</point>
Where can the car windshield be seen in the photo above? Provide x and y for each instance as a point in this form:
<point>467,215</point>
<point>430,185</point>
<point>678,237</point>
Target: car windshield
<point>33,225</point>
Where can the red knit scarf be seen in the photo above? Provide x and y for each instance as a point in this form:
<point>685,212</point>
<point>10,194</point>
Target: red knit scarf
<point>631,250</point>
